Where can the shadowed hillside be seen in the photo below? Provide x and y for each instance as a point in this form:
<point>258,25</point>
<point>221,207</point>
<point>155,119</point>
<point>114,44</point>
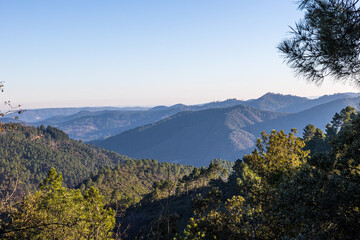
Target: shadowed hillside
<point>227,133</point>
<point>90,125</point>
<point>192,137</point>
<point>35,115</point>
<point>293,104</point>
<point>318,116</point>
<point>277,102</point>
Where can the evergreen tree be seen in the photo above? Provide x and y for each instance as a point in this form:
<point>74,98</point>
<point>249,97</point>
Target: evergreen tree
<point>326,42</point>
<point>248,214</point>
<point>55,212</point>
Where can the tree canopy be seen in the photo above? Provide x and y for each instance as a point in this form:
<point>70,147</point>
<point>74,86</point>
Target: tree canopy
<point>326,42</point>
<point>55,212</point>
<point>280,192</point>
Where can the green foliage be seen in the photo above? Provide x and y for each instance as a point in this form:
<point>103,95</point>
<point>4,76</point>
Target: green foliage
<point>224,164</point>
<point>277,155</point>
<point>324,196</point>
<point>342,118</point>
<point>163,213</point>
<point>318,142</point>
<point>326,42</point>
<point>234,221</point>
<point>55,212</point>
<point>279,192</point>
<point>130,181</point>
<point>28,153</point>
<point>309,132</point>
<point>55,133</point>
<point>200,177</point>
<point>315,140</point>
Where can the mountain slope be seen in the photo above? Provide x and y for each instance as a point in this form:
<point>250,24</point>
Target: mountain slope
<point>293,104</point>
<point>93,125</point>
<point>198,137</point>
<point>277,102</point>
<point>28,153</point>
<point>319,116</point>
<point>318,101</point>
<point>128,182</point>
<point>192,137</point>
<point>89,126</point>
<point>35,115</point>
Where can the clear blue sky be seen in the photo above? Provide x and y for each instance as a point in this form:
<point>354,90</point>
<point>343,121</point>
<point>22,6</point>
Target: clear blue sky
<point>91,53</point>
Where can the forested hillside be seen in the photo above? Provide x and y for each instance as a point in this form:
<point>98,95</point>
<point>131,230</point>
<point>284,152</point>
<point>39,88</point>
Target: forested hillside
<point>131,180</point>
<point>285,180</point>
<point>28,153</point>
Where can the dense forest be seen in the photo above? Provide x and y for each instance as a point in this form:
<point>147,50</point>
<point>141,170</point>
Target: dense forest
<point>289,187</point>
<point>28,153</point>
<point>128,182</point>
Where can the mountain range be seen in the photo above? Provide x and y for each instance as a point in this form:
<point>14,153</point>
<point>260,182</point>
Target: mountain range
<point>36,115</point>
<point>93,125</point>
<point>192,134</point>
<point>228,133</point>
<point>89,124</point>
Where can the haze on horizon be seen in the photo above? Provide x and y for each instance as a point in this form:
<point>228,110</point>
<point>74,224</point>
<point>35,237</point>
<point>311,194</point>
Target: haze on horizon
<point>146,53</point>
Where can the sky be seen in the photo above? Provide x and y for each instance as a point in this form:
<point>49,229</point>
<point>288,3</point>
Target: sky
<point>64,53</point>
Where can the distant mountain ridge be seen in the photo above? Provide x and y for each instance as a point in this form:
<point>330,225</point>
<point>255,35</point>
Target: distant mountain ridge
<point>293,104</point>
<point>198,137</point>
<point>35,115</point>
<point>89,124</point>
<point>276,102</point>
<point>318,116</point>
<point>191,137</point>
